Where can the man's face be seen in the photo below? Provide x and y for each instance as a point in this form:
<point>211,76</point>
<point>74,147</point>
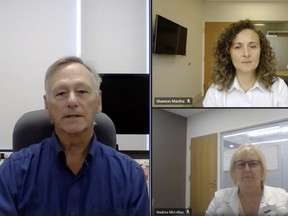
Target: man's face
<point>72,100</point>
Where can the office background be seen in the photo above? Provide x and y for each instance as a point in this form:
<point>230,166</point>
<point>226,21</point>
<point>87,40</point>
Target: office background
<point>112,36</point>
<point>171,154</point>
<point>183,76</point>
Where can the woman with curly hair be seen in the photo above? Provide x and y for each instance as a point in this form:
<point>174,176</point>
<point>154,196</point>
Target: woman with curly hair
<point>244,71</point>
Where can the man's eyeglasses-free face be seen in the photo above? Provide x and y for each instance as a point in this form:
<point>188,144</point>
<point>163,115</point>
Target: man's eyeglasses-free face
<point>240,164</point>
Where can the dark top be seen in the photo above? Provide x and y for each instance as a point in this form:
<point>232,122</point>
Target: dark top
<point>36,181</point>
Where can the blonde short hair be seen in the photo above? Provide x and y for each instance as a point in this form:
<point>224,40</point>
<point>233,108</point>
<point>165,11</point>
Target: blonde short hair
<point>245,150</point>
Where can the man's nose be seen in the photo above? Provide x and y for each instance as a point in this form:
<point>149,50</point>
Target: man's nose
<point>72,100</point>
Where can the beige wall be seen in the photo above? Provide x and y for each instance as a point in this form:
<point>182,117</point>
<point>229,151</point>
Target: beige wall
<point>234,11</point>
<point>174,75</point>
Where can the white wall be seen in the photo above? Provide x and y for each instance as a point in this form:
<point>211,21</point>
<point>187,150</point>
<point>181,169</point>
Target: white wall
<point>174,75</point>
<point>36,33</point>
<point>33,35</point>
<point>114,35</point>
<point>221,120</point>
<point>115,38</point>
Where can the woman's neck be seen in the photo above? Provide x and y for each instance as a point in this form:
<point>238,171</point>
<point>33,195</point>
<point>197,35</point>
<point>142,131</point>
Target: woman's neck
<point>246,80</point>
<point>250,199</point>
<point>250,191</point>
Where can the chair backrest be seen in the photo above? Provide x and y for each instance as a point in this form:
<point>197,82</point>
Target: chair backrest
<point>34,126</point>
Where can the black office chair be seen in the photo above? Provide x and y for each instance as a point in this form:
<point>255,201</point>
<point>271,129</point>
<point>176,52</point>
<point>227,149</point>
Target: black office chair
<point>34,126</point>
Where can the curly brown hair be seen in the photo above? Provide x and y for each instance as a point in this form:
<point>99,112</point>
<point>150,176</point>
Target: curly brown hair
<point>223,72</point>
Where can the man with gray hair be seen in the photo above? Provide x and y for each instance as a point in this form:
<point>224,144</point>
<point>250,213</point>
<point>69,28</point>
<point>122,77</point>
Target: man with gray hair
<point>71,173</point>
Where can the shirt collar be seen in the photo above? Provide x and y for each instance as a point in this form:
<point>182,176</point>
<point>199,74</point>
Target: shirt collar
<point>266,198</point>
<point>235,85</point>
<point>233,199</point>
<point>60,153</point>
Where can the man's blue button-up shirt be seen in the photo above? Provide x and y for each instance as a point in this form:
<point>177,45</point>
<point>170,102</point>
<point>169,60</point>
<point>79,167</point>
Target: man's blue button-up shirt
<point>37,182</point>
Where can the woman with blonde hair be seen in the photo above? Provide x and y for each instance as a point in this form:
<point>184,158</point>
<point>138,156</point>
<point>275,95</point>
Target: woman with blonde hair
<point>250,196</point>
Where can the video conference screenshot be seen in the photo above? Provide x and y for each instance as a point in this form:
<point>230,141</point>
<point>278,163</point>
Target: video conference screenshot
<point>144,108</point>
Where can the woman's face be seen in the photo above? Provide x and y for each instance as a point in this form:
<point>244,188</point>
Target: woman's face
<point>245,51</point>
<point>248,171</point>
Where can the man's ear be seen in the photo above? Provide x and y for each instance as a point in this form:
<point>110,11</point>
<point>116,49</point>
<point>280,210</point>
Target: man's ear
<point>99,105</point>
<point>46,105</point>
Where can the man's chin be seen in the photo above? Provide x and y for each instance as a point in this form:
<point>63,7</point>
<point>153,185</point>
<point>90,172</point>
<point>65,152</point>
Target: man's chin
<point>74,129</point>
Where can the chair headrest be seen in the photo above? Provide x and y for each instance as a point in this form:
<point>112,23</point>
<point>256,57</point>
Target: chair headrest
<point>34,126</point>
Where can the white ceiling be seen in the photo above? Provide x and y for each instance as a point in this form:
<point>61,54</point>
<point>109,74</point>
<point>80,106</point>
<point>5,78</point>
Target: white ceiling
<point>185,112</point>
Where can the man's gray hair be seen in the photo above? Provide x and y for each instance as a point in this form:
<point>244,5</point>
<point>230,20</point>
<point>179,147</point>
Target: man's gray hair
<point>68,60</point>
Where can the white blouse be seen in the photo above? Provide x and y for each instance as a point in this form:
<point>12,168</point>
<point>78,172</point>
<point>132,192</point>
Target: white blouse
<point>226,202</point>
<point>257,96</point>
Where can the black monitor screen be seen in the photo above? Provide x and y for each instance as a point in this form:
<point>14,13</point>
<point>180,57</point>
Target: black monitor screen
<point>125,99</point>
<point>169,37</point>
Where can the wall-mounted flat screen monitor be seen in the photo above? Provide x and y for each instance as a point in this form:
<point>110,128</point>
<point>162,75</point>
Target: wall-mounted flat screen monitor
<point>169,37</point>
